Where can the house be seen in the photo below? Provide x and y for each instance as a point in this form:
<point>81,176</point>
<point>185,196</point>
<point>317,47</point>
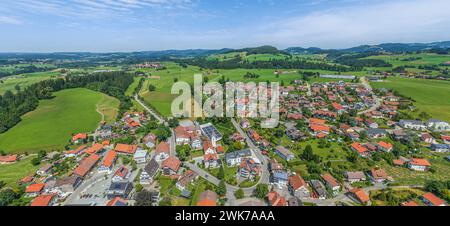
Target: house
<point>186,179</point>
<point>119,189</point>
<point>427,138</point>
<point>294,201</point>
<point>360,195</point>
<point>399,135</point>
<point>419,164</point>
<point>211,160</point>
<point>140,156</point>
<point>384,146</point>
<point>117,201</point>
<point>86,165</point>
<point>276,199</point>
<point>319,189</point>
<point>75,152</point>
<point>120,174</point>
<point>245,123</point>
<point>412,124</point>
<point>249,169</point>
<point>67,185</point>
<point>254,136</point>
<point>375,133</point>
<point>274,165</point>
<point>125,149</point>
<point>378,175</point>
<point>44,200</point>
<point>95,148</point>
<point>108,162</point>
<point>210,131</point>
<point>409,203</point>
<point>295,134</point>
<point>207,198</point>
<point>363,151</point>
<point>149,140</point>
<point>208,147</point>
<point>235,158</point>
<point>196,143</point>
<point>446,139</point>
<point>331,183</point>
<point>181,136</point>
<point>284,153</point>
<point>79,138</point>
<point>355,176</point>
<point>44,170</point>
<point>441,148</point>
<point>171,165</point>
<point>438,125</point>
<point>298,187</point>
<point>279,178</point>
<point>162,151</point>
<point>8,159</point>
<point>34,189</point>
<point>149,172</point>
<point>432,200</point>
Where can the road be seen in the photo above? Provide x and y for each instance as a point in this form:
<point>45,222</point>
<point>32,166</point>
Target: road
<point>377,99</point>
<point>309,93</point>
<point>162,121</point>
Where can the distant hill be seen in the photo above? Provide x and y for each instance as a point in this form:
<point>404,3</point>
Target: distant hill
<point>261,50</point>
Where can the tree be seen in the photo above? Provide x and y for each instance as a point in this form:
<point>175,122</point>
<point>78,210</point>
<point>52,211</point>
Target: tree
<point>262,190</point>
<point>7,196</point>
<point>239,194</point>
<point>151,88</point>
<point>139,187</point>
<point>36,161</point>
<point>221,174</point>
<point>221,189</point>
<point>143,198</point>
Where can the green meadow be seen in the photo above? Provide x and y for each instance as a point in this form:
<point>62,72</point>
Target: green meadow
<point>12,173</point>
<point>431,96</point>
<point>52,124</point>
<point>24,80</point>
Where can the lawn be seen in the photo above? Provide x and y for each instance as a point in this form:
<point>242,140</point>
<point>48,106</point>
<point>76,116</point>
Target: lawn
<point>431,96</point>
<point>133,86</point>
<point>12,173</point>
<point>52,124</point>
<point>24,80</point>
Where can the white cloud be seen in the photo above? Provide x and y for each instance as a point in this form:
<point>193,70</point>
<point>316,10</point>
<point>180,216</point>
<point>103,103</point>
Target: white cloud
<point>9,20</point>
<point>400,21</point>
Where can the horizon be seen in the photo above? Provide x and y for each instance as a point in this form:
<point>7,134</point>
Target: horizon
<point>117,26</point>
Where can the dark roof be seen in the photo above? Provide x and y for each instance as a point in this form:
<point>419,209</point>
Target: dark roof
<point>152,167</point>
<point>242,153</point>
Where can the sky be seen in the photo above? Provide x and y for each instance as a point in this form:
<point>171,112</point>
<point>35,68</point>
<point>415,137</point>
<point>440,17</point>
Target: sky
<point>142,25</point>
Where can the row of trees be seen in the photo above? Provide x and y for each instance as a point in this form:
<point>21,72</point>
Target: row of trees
<point>14,105</point>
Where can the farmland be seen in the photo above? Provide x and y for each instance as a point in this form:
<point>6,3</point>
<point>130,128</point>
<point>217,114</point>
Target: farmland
<point>431,96</point>
<point>11,173</point>
<point>51,125</point>
<point>24,80</point>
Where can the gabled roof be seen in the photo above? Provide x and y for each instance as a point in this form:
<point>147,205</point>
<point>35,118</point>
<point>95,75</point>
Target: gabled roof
<point>42,200</point>
<point>207,198</point>
<point>163,147</point>
<point>359,148</point>
<point>117,201</point>
<point>410,203</point>
<point>94,149</point>
<point>8,158</point>
<point>296,182</point>
<point>360,194</point>
<point>419,162</point>
<point>172,163</point>
<point>80,136</point>
<point>35,188</point>
<point>378,174</point>
<point>121,172</point>
<point>385,145</point>
<point>433,199</point>
<point>126,148</point>
<point>109,158</point>
<point>330,180</point>
<point>86,165</point>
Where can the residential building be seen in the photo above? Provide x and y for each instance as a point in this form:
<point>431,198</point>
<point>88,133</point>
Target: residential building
<point>207,198</point>
<point>331,183</point>
<point>355,176</point>
<point>162,151</point>
<point>284,153</point>
<point>86,165</point>
<point>119,189</point>
<point>171,165</point>
<point>276,199</point>
<point>419,164</point>
<point>298,186</point>
<point>319,189</point>
<point>108,162</point>
<point>149,172</point>
<point>140,156</point>
<point>235,158</point>
<point>432,200</point>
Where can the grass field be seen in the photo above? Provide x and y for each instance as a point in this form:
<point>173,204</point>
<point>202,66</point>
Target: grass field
<point>11,173</point>
<point>25,80</point>
<point>431,96</point>
<point>52,124</point>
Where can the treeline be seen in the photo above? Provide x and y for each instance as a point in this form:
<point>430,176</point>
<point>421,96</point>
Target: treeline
<point>237,62</point>
<point>356,60</point>
<point>13,106</point>
<point>25,69</point>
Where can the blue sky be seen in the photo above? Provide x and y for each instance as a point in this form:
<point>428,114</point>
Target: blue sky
<point>137,25</point>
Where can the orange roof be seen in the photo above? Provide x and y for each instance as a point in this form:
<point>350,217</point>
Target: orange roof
<point>378,173</point>
<point>86,165</point>
<point>360,194</point>
<point>106,142</point>
<point>337,106</point>
<point>35,188</point>
<point>317,121</point>
<point>410,203</point>
<point>275,199</point>
<point>436,201</point>
<point>94,149</point>
<point>76,151</point>
<point>220,149</point>
<point>207,198</point>
<point>80,136</point>
<point>207,145</point>
<point>321,135</point>
<point>319,128</point>
<point>8,158</point>
<point>172,163</point>
<point>385,145</point>
<point>109,158</point>
<point>398,162</point>
<point>358,147</point>
<point>116,200</point>
<point>125,148</point>
<point>296,182</point>
<point>419,162</point>
<point>42,200</point>
<point>330,180</point>
<point>163,147</point>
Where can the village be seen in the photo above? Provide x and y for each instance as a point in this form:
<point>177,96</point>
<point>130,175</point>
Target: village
<point>331,148</point>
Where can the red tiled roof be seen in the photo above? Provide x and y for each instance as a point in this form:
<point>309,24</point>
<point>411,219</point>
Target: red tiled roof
<point>419,162</point>
<point>126,148</point>
<point>8,158</point>
<point>86,165</point>
<point>80,136</point>
<point>35,188</point>
<point>207,198</point>
<point>76,151</point>
<point>109,158</point>
<point>385,145</point>
<point>378,173</point>
<point>317,121</point>
<point>436,201</point>
<point>172,163</point>
<point>319,128</point>
<point>115,200</point>
<point>121,172</point>
<point>296,182</point>
<point>163,147</point>
<point>358,147</point>
<point>410,203</point>
<point>94,149</point>
<point>330,179</point>
<point>42,200</point>
<point>275,199</point>
<point>360,195</point>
